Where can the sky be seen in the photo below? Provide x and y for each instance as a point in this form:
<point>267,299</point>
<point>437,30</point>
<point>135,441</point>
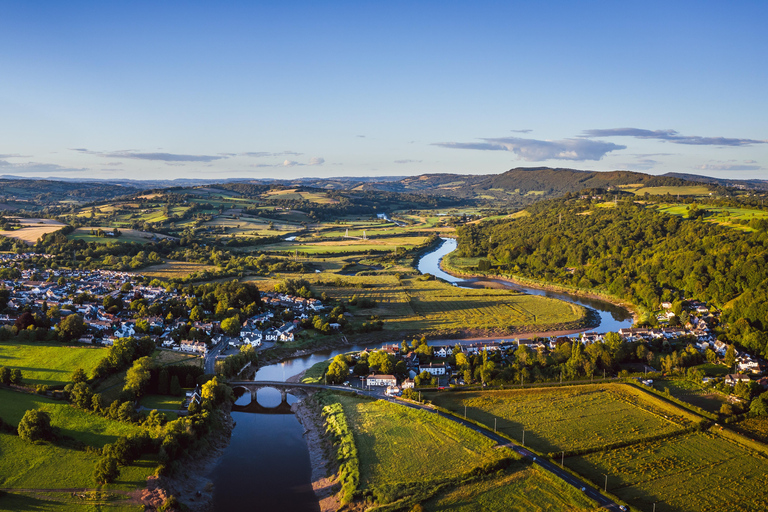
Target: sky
<point>288,89</point>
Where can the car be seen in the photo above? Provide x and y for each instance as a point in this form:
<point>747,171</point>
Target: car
<point>623,508</point>
<point>534,459</point>
<point>583,489</point>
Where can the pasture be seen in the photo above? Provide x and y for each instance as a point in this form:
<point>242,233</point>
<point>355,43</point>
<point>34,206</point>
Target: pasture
<point>174,269</point>
<point>725,216</point>
<point>569,418</point>
<point>90,429</point>
<point>161,402</point>
<point>397,461</point>
<point>693,190</point>
<point>529,489</point>
<point>127,235</point>
<point>49,363</point>
<point>348,245</point>
<point>692,472</point>
<point>32,230</point>
<point>693,393</point>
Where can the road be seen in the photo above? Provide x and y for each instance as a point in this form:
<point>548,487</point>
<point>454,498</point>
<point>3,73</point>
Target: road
<point>209,366</point>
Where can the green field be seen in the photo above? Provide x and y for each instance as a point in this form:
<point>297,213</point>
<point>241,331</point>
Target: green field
<point>725,216</point>
<point>174,269</point>
<point>527,490</point>
<point>127,235</point>
<point>32,473</point>
<point>570,418</point>
<point>394,459</point>
<point>693,190</point>
<point>161,402</point>
<point>756,428</point>
<point>693,393</point>
<point>82,426</point>
<point>49,363</point>
<point>692,472</point>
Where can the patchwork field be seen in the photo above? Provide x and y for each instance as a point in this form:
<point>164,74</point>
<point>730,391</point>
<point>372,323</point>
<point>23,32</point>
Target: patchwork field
<point>725,216</point>
<point>570,418</point>
<point>32,229</point>
<point>691,472</point>
<point>49,363</point>
<point>527,490</point>
<point>431,449</point>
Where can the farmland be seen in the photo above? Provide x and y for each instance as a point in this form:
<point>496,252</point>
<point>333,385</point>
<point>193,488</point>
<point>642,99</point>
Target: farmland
<point>419,304</point>
<point>529,489</point>
<point>572,418</point>
<point>725,216</point>
<point>691,472</point>
<point>126,235</point>
<point>434,448</point>
<point>88,428</point>
<point>48,363</point>
<point>175,269</point>
<point>690,190</point>
<point>31,230</point>
<point>693,393</point>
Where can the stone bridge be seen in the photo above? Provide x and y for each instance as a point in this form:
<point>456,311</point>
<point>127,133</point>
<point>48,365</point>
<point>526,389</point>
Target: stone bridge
<point>295,388</point>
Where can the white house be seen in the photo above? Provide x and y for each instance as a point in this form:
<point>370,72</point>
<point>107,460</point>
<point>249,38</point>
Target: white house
<point>381,380</point>
<point>433,369</point>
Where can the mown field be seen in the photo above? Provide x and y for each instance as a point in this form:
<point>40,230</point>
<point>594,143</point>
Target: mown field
<point>49,363</point>
<point>161,402</point>
<point>692,472</point>
<point>127,235</point>
<point>349,245</point>
<point>32,229</point>
<point>570,418</point>
<point>174,269</point>
<point>693,190</point>
<point>397,461</point>
<point>693,393</point>
<point>756,428</point>
<point>529,489</point>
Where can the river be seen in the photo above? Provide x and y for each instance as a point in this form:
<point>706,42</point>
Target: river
<point>266,465</point>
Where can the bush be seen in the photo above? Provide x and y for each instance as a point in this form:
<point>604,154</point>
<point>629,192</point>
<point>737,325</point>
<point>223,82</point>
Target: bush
<point>106,470</point>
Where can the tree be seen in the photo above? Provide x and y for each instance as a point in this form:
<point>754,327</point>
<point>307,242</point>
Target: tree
<point>730,356</point>
<point>35,426</point>
<point>337,372</point>
<point>196,314</point>
<point>106,470</point>
<point>231,325</point>
<point>138,376</point>
<point>16,376</point>
<point>215,391</point>
<point>163,382</point>
<point>175,386</point>
<point>759,406</point>
<point>79,376</point>
<point>71,327</point>
<point>126,412</point>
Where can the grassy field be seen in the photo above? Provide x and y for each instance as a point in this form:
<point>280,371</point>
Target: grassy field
<point>49,363</point>
<point>161,402</point>
<point>349,245</point>
<point>393,459</point>
<point>413,303</point>
<point>756,428</point>
<point>174,269</point>
<point>693,190</point>
<point>692,472</point>
<point>570,418</point>
<point>693,393</point>
<point>32,473</point>
<point>90,429</point>
<point>169,357</point>
<point>32,229</point>
<point>527,490</point>
<point>128,235</point>
<point>725,216</point>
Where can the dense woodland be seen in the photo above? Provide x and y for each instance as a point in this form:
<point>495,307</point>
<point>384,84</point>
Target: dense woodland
<point>633,252</point>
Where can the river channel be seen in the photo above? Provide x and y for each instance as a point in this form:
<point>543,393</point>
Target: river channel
<point>266,465</point>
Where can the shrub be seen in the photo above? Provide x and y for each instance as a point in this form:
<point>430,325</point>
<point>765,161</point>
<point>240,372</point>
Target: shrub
<point>35,426</point>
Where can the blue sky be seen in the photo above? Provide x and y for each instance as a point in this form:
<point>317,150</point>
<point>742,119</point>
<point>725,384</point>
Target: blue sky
<point>288,89</point>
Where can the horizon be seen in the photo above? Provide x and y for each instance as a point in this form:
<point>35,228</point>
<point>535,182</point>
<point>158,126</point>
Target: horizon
<point>272,91</point>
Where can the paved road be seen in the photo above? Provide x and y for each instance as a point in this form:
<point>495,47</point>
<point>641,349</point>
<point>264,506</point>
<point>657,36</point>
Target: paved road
<point>210,358</point>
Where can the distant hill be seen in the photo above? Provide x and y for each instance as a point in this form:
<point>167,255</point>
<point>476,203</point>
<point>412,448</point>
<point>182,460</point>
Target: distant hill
<point>31,194</point>
<point>723,182</point>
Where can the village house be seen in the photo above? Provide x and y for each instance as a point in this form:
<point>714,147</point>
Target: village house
<point>381,380</point>
<point>193,346</point>
<point>433,369</point>
<point>733,379</point>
